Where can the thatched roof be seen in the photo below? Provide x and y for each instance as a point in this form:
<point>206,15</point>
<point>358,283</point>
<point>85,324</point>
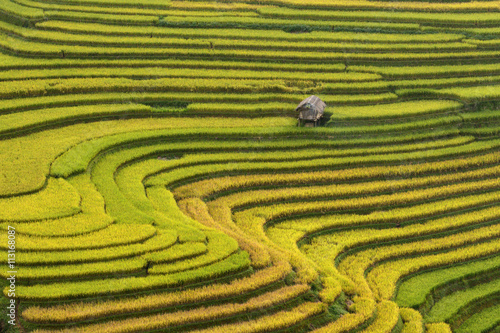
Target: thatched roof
<point>311,108</point>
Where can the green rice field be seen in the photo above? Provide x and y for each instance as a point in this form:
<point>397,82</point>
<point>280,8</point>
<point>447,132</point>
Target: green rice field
<point>153,176</point>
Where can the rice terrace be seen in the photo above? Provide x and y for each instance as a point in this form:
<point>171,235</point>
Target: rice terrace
<point>243,166</point>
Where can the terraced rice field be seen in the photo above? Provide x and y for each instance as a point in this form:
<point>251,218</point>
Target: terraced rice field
<point>153,178</point>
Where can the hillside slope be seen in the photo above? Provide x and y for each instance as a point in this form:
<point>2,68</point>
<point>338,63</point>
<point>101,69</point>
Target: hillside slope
<point>154,178</point>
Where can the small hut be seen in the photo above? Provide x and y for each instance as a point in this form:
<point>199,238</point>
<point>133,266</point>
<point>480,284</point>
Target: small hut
<point>310,111</point>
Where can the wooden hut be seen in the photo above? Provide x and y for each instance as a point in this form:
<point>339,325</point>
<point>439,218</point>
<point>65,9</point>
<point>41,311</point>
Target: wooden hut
<point>310,111</point>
